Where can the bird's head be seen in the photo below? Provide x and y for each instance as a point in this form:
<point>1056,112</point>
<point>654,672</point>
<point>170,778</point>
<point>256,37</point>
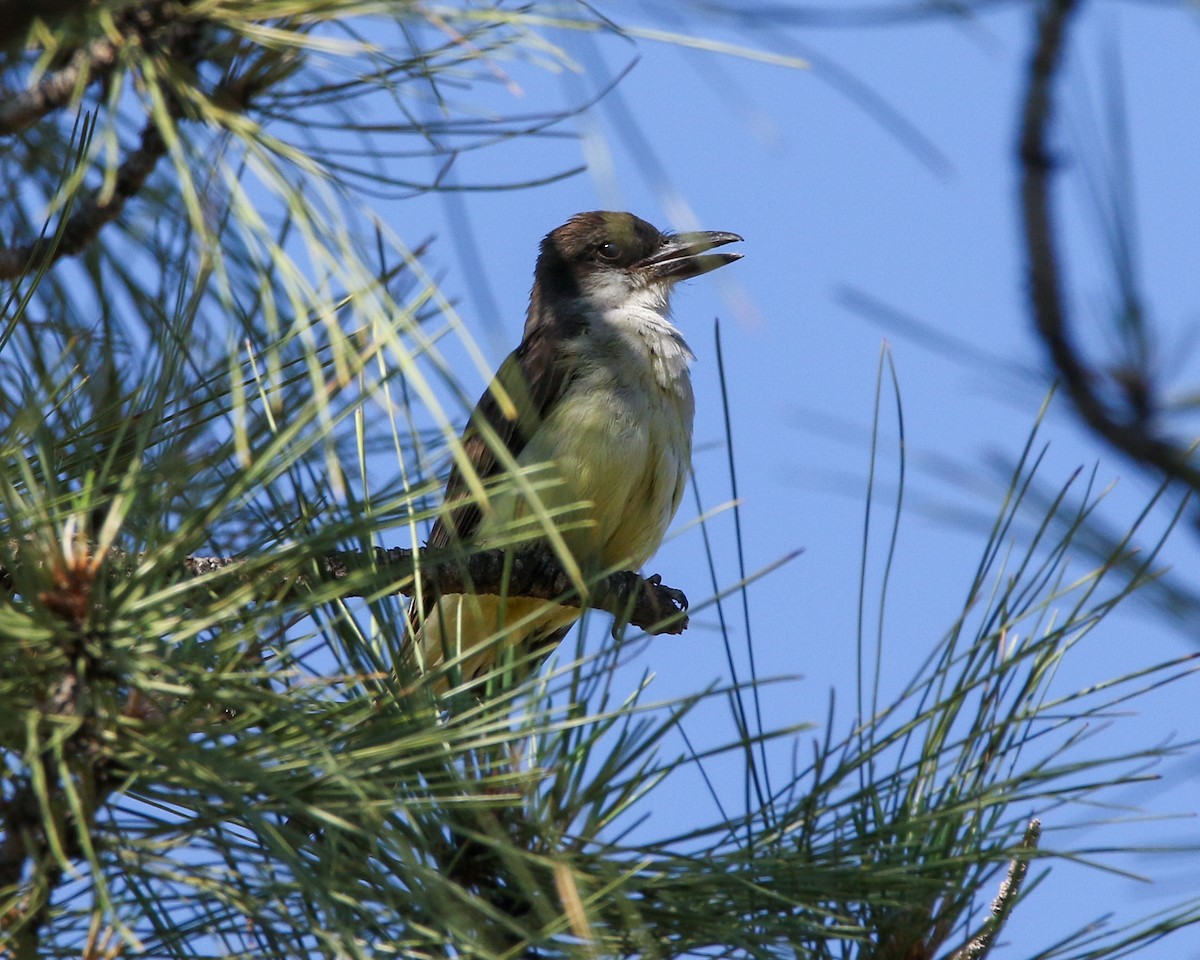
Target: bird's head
<point>612,259</point>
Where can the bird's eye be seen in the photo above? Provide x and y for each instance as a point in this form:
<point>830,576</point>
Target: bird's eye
<point>608,251</point>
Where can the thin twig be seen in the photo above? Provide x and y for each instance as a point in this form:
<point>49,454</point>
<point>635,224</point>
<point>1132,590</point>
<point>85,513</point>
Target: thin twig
<point>1010,891</point>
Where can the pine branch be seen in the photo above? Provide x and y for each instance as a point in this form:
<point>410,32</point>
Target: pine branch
<point>533,572</point>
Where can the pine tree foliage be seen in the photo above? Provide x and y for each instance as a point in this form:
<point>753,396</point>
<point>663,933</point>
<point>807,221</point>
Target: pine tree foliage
<point>209,344</point>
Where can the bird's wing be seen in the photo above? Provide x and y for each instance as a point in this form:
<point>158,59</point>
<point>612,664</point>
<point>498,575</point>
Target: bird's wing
<point>534,378</point>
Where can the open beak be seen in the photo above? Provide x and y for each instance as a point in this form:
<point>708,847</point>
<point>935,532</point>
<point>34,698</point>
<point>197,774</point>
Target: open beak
<point>683,255</point>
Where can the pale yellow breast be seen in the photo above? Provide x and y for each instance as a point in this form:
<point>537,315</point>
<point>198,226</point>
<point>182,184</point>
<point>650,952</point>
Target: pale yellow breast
<point>620,460</point>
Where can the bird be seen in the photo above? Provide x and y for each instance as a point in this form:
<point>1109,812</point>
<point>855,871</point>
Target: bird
<point>594,407</point>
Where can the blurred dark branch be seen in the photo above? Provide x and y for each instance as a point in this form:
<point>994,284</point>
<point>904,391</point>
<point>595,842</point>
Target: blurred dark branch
<point>532,571</point>
<point>1128,429</point>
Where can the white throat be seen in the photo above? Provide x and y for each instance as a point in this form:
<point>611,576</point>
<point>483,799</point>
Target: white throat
<point>630,329</point>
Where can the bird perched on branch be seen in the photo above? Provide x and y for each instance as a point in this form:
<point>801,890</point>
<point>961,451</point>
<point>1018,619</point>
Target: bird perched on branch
<point>584,438</point>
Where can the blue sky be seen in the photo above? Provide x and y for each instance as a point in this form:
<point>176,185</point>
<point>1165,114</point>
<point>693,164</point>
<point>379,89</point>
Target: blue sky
<point>835,207</point>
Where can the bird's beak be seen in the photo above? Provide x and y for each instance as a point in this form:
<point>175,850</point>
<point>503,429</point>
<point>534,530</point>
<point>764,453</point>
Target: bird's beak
<point>683,255</point>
